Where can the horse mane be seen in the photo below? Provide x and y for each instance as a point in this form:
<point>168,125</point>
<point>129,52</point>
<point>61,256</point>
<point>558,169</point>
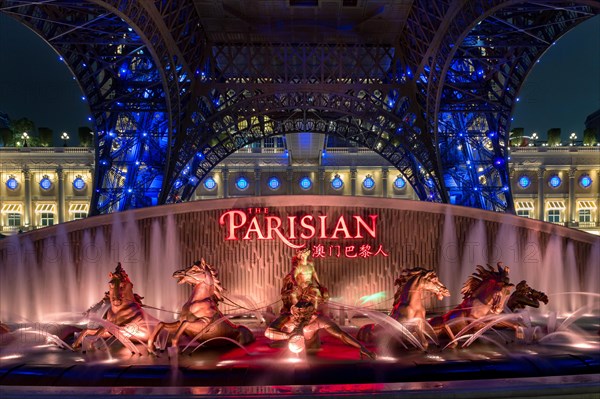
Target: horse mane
<point>482,275</point>
<point>215,276</point>
<point>119,273</point>
<point>407,274</point>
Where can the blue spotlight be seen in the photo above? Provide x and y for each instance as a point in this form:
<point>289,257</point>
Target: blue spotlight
<point>274,183</point>
<point>585,181</point>
<point>524,181</point>
<point>210,184</point>
<point>305,183</point>
<point>554,181</point>
<point>242,183</point>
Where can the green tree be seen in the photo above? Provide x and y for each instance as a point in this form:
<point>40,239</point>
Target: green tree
<point>554,136</point>
<point>590,136</point>
<point>86,136</point>
<point>20,126</point>
<point>516,137</point>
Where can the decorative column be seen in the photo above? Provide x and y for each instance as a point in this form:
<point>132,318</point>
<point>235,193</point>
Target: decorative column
<point>384,181</point>
<point>572,205</point>
<point>353,181</point>
<point>60,175</point>
<point>321,175</point>
<point>225,175</point>
<point>27,219</point>
<point>257,190</point>
<point>540,174</point>
<point>289,177</point>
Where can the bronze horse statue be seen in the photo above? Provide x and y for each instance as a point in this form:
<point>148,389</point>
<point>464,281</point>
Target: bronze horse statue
<point>524,295</point>
<point>413,284</point>
<point>125,312</point>
<point>485,292</point>
<point>200,317</point>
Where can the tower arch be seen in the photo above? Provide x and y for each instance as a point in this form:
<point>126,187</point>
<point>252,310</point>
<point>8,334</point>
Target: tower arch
<point>170,93</point>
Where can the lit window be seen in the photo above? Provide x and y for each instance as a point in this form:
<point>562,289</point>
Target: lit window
<point>585,181</point>
<point>526,213</point>
<point>337,182</point>
<point>79,215</point>
<point>12,184</point>
<point>46,219</point>
<point>399,183</point>
<point>585,215</point>
<point>524,181</point>
<point>45,183</point>
<point>78,183</point>
<point>554,216</point>
<point>305,183</point>
<point>368,183</point>
<point>554,181</point>
<point>274,183</point>
<point>14,219</point>
<point>242,183</point>
<point>210,184</point>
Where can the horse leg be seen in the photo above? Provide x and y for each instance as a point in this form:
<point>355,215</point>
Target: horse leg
<point>153,336</point>
<point>519,332</point>
<point>421,334</point>
<point>180,330</point>
<point>84,333</point>
<point>450,334</point>
<point>94,333</point>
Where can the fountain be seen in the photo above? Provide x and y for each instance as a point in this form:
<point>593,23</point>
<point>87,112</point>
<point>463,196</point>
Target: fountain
<point>50,277</point>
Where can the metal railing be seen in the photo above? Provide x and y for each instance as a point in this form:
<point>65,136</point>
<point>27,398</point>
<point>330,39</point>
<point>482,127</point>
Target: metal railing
<point>48,150</point>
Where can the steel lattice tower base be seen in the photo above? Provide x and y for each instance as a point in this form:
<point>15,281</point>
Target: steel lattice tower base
<point>175,86</point>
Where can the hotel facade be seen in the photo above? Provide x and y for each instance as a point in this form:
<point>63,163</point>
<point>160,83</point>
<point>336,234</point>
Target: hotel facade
<point>49,185</point>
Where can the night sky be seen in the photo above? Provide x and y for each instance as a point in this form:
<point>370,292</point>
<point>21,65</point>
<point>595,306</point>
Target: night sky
<point>562,90</point>
<point>35,84</point>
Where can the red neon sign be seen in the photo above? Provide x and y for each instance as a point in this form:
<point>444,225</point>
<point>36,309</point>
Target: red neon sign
<point>258,224</point>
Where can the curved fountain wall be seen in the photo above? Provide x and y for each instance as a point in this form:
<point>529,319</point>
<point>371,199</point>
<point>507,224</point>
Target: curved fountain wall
<point>64,268</point>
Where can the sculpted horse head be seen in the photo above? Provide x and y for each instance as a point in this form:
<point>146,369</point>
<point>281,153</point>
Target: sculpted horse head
<point>419,279</point>
<point>524,295</point>
<point>491,288</point>
<point>120,288</point>
<point>412,285</point>
<point>201,275</point>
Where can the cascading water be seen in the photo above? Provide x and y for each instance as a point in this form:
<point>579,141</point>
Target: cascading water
<point>449,261</point>
<point>72,276</point>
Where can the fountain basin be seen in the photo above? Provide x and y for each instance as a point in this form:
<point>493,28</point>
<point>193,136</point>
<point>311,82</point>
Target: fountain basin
<point>47,273</point>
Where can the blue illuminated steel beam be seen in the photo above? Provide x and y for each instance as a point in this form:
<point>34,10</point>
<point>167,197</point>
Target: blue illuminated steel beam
<point>479,92</point>
<point>135,80</point>
<point>363,95</point>
<point>394,137</point>
<point>471,59</point>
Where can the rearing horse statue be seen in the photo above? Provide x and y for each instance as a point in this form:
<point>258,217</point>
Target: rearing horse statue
<point>200,317</point>
<point>485,292</point>
<point>412,285</point>
<point>125,311</point>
